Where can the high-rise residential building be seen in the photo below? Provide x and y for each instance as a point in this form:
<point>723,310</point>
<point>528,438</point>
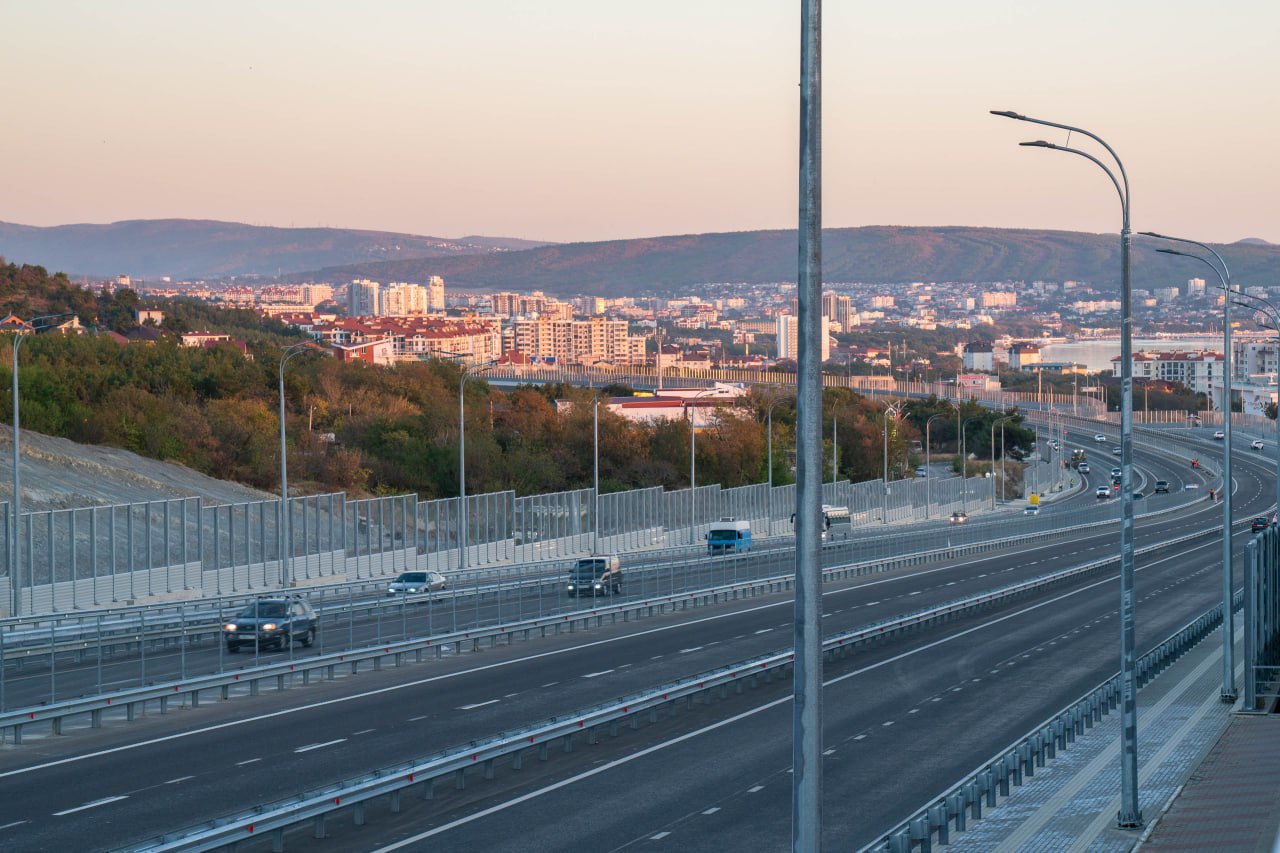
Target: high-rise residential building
<point>999,299</point>
<point>435,293</point>
<point>362,298</point>
<point>787,327</point>
<point>1195,287</point>
<point>578,341</point>
<point>400,299</point>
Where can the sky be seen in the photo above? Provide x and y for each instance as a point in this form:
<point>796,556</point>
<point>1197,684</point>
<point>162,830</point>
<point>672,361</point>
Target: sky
<point>567,120</point>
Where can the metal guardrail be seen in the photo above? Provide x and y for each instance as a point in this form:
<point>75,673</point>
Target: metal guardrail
<point>952,810</point>
<point>189,689</point>
<point>391,782</point>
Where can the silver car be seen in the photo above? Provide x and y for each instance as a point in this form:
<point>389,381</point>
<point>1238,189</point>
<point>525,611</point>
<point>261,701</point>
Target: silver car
<point>417,583</point>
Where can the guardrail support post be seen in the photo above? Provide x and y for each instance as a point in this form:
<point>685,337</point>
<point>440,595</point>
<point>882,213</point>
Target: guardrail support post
<point>459,780</point>
<point>277,841</point>
<point>357,812</point>
<point>488,768</point>
<point>395,802</point>
<point>429,789</point>
<point>318,823</point>
<point>95,718</point>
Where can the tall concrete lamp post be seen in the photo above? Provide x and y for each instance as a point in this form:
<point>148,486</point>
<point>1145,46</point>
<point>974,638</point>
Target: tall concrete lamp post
<point>15,560</point>
<point>1274,313</point>
<point>286,543</point>
<point>1228,613</point>
<point>928,472</point>
<point>1130,814</point>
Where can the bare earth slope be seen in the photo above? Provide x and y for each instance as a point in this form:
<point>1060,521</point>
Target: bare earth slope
<point>59,474</point>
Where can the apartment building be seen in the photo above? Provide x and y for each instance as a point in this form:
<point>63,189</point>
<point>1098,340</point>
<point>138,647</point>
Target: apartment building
<point>569,341</point>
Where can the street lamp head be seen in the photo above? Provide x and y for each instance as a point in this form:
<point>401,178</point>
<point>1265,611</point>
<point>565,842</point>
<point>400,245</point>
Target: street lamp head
<point>1154,234</point>
<point>1008,114</point>
<point>1039,143</point>
<point>1175,252</point>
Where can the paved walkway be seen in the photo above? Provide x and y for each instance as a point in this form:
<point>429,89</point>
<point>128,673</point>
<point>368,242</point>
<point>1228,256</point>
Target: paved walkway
<point>1209,778</point>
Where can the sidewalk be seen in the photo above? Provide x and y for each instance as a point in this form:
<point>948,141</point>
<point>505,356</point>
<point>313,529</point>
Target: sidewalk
<point>1207,778</point>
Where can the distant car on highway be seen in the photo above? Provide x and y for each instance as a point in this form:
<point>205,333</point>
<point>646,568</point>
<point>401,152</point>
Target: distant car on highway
<point>596,576</point>
<point>1031,510</point>
<point>922,471</point>
<point>1219,435</point>
<point>1115,451</point>
<point>1116,472</point>
<point>1084,468</point>
<point>1137,496</point>
<point>1162,486</point>
<point>1102,493</point>
<point>1257,444</point>
<point>1259,524</point>
<point>1100,438</point>
<point>272,622</point>
<point>417,583</point>
<point>959,517</point>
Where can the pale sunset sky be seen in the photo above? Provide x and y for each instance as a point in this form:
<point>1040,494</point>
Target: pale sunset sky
<point>569,120</point>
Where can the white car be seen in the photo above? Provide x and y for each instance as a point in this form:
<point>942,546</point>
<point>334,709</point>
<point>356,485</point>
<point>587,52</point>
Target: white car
<point>1115,451</point>
<point>1256,444</point>
<point>1219,435</point>
<point>1031,510</point>
<point>1102,493</point>
<point>1100,438</point>
<point>417,583</point>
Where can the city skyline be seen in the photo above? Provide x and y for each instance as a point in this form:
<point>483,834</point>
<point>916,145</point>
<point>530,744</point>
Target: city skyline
<point>567,122</point>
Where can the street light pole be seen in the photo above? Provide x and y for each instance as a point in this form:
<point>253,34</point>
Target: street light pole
<point>693,470</point>
<point>993,458</point>
<point>286,542</point>
<point>15,561</point>
<point>964,463</point>
<point>1130,815</point>
<point>1228,611</point>
<point>1274,314</point>
<point>595,472</point>
<point>462,458</point>
<point>769,417</point>
<point>928,472</point>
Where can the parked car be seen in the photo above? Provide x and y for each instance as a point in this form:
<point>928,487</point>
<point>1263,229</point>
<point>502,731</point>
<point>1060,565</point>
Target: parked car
<point>417,583</point>
<point>271,622</point>
<point>1102,493</point>
<point>1219,435</point>
<point>1100,438</point>
<point>1257,444</point>
<point>959,517</point>
<point>1259,524</point>
<point>1162,486</point>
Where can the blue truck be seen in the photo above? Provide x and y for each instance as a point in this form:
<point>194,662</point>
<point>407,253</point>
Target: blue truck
<point>728,535</point>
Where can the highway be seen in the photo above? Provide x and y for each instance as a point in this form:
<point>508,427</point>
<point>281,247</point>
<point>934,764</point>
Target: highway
<point>890,711</point>
<point>529,592</point>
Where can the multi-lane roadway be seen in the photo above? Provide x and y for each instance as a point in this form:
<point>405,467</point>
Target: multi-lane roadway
<point>903,719</point>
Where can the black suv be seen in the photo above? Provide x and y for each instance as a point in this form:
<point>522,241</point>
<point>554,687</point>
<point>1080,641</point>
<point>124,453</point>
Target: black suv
<point>271,622</point>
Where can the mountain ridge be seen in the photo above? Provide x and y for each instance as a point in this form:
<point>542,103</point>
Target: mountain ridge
<point>883,254</point>
<point>210,248</point>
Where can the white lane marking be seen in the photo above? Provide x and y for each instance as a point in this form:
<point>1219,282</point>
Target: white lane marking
<point>509,695</point>
<point>694,649</point>
<point>476,705</point>
<point>914,711</point>
<point>551,684</point>
<point>179,779</point>
<point>362,732</point>
<point>659,836</point>
<point>860,737</point>
<point>92,805</point>
<point>250,761</point>
<point>887,723</point>
<point>712,810</point>
<point>917,592</point>
<point>431,679</point>
<point>604,768</point>
<point>11,825</point>
<point>415,719</point>
<point>597,674</point>
<point>764,630</point>
<point>312,746</point>
<point>828,751</point>
<point>753,789</point>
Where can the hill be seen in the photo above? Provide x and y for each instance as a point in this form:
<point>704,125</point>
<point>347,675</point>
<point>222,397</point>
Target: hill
<point>192,248</point>
<point>871,254</point>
